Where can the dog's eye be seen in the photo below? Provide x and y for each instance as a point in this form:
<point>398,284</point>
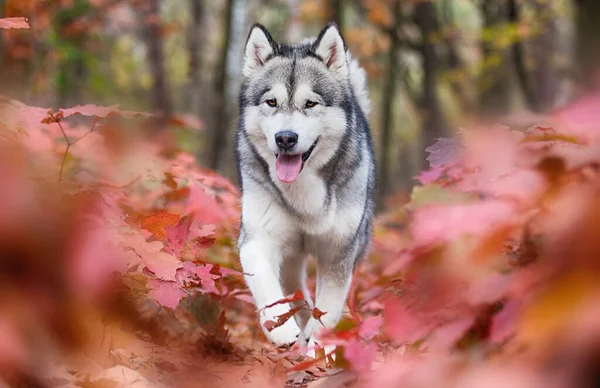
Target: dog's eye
<point>272,102</point>
<point>310,104</point>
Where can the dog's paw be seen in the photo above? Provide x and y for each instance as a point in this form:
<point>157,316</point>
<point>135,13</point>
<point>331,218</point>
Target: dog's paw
<point>309,329</point>
<point>282,336</point>
<point>314,347</point>
<point>285,335</point>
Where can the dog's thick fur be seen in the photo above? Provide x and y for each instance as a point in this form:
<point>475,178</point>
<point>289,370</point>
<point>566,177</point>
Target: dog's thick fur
<point>326,210</point>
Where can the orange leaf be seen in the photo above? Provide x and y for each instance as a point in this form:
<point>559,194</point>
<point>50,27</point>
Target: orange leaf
<point>158,222</point>
<point>281,319</point>
<point>317,314</point>
<point>290,298</point>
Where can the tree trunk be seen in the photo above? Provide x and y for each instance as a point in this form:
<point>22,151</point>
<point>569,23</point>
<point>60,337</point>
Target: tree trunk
<point>161,100</point>
<point>543,49</point>
<point>519,56</point>
<point>194,44</point>
<point>461,85</point>
<point>495,83</point>
<point>217,134</point>
<point>294,30</point>
<point>588,49</point>
<point>72,69</point>
<point>2,6</point>
<point>387,111</point>
<point>538,82</point>
<point>434,124</point>
<point>336,8</point>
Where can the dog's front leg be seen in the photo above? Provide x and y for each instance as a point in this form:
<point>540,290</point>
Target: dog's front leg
<point>333,283</point>
<point>262,260</point>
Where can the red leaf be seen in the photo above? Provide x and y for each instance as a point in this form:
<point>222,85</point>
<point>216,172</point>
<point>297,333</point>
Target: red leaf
<point>222,271</point>
<point>431,175</point>
<point>488,289</point>
<point>163,265</point>
<point>290,298</point>
<point>90,110</point>
<point>242,295</point>
<point>440,224</point>
<point>156,224</point>
<point>443,152</point>
<point>166,294</point>
<point>505,322</point>
<point>402,325</point>
<point>203,207</point>
<point>281,319</point>
<point>361,357</point>
<point>370,327</point>
<point>190,234</point>
<point>317,314</point>
<point>445,337</point>
<point>14,23</point>
<point>186,120</point>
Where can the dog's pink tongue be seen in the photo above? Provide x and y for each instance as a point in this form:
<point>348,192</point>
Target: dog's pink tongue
<point>288,167</point>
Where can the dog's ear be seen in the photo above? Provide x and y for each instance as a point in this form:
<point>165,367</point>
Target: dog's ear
<point>259,47</point>
<point>331,48</point>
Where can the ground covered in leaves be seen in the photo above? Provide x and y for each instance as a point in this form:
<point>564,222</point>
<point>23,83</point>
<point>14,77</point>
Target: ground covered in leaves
<point>118,265</point>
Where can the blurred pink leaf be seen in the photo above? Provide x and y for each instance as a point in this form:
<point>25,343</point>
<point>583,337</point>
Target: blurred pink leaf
<point>441,224</point>
<point>446,336</point>
<point>505,322</point>
<point>204,207</point>
<point>14,23</point>
<point>370,327</point>
<point>167,294</point>
<point>361,357</point>
<point>443,152</point>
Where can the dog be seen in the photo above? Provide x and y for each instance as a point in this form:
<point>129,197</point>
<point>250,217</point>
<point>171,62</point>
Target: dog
<point>307,170</point>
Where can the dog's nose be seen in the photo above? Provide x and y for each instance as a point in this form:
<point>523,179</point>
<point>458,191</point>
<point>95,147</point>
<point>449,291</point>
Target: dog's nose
<point>286,140</point>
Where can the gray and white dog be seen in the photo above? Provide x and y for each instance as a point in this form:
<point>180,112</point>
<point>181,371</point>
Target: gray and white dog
<point>307,168</point>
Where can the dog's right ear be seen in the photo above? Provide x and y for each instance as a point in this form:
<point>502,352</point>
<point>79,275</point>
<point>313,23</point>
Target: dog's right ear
<point>259,47</point>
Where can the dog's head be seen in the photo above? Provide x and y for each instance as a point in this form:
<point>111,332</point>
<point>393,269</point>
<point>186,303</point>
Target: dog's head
<point>295,99</point>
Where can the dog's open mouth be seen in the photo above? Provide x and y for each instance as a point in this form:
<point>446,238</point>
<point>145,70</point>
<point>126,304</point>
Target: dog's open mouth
<point>288,166</point>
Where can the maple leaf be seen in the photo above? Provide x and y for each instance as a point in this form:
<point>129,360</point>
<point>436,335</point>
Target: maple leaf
<point>298,295</point>
<point>317,314</point>
<point>281,319</point>
<point>157,223</point>
<point>162,264</point>
<point>90,110</point>
<point>191,273</point>
<point>430,176</point>
<point>203,207</point>
<point>14,23</point>
<point>443,152</point>
<point>188,233</point>
<point>166,294</point>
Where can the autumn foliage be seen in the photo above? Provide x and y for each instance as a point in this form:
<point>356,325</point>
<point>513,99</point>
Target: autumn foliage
<point>118,263</point>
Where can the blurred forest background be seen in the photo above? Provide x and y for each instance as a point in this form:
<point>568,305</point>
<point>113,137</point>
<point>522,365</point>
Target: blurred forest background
<point>434,66</point>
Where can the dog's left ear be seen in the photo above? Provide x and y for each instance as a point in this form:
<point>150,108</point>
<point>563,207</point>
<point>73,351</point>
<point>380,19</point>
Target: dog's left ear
<point>331,48</point>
